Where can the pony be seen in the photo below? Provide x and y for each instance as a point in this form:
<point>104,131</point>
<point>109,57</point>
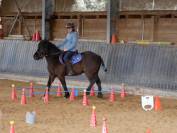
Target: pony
<point>89,65</point>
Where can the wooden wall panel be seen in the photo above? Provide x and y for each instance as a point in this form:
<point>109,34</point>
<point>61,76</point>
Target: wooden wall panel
<point>148,29</point>
<point>162,30</point>
<point>33,26</point>
<point>129,29</point>
<point>58,27</point>
<point>91,28</point>
<point>7,24</point>
<point>167,30</point>
<point>94,29</point>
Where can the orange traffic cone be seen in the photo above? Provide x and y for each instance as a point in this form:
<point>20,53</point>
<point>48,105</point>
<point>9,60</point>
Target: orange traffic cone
<point>34,37</point>
<point>23,97</point>
<point>92,92</point>
<point>46,97</point>
<point>31,90</point>
<point>157,105</point>
<point>112,97</point>
<point>148,130</point>
<point>13,94</point>
<point>85,100</point>
<point>113,39</point>
<point>93,117</point>
<point>72,96</point>
<point>59,91</point>
<point>12,128</point>
<point>122,92</point>
<point>104,128</point>
<point>38,37</point>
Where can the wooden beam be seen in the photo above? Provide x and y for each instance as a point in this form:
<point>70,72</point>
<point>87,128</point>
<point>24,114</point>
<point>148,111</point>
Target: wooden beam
<point>112,15</point>
<point>47,12</point>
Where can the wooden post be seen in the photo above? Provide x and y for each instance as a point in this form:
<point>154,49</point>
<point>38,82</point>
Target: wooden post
<point>112,16</point>
<point>20,25</point>
<point>47,12</point>
<point>143,27</point>
<point>153,28</point>
<point>155,20</point>
<point>79,25</point>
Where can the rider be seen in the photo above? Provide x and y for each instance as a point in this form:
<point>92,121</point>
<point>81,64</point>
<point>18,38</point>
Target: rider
<point>69,45</point>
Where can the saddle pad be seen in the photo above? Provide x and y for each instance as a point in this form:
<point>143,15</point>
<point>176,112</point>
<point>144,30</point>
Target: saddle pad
<point>76,58</point>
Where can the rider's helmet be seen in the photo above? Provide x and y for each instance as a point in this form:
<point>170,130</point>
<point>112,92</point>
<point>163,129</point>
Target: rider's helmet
<point>71,25</point>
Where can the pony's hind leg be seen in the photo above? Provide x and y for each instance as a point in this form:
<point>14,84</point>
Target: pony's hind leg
<point>92,81</point>
<point>98,82</point>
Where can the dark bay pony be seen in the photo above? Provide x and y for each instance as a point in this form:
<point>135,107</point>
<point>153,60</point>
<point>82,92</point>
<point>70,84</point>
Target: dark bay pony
<point>90,65</point>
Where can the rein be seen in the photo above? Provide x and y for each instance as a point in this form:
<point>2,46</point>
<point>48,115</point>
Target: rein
<point>53,54</point>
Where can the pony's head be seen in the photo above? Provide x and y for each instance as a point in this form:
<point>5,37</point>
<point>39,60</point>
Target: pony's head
<point>45,48</point>
<point>42,50</point>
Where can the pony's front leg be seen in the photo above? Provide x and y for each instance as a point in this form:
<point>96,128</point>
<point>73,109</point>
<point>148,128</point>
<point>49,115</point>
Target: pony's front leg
<point>49,83</point>
<point>63,82</point>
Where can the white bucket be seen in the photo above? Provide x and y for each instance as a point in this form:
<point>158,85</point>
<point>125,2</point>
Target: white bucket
<point>30,117</point>
<point>147,102</point>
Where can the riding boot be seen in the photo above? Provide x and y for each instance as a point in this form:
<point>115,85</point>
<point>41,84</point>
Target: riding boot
<point>69,68</point>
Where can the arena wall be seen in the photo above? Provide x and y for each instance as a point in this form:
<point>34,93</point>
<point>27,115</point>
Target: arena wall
<point>151,66</point>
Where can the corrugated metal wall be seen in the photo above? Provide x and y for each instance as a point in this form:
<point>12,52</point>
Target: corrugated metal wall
<point>149,66</point>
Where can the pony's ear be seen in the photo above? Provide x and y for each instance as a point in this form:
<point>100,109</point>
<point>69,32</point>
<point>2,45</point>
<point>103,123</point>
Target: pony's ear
<point>45,41</point>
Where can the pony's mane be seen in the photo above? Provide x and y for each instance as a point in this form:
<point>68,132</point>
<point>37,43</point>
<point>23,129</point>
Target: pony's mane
<point>50,44</point>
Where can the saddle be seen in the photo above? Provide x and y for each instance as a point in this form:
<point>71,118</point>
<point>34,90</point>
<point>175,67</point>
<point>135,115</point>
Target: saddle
<point>75,57</point>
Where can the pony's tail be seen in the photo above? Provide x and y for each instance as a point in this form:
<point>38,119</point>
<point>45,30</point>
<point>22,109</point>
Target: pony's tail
<point>103,65</point>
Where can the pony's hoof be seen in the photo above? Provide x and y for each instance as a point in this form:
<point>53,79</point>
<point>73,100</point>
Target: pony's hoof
<point>42,97</point>
<point>67,96</point>
<point>100,95</point>
<point>87,92</point>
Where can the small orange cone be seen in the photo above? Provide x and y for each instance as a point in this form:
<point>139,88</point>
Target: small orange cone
<point>113,39</point>
<point>122,92</point>
<point>59,91</point>
<point>93,117</point>
<point>13,94</point>
<point>85,100</point>
<point>72,96</point>
<point>38,37</point>
<point>31,90</point>
<point>104,127</point>
<point>34,37</point>
<point>46,97</point>
<point>148,130</point>
<point>12,128</point>
<point>112,97</point>
<point>92,92</point>
<point>23,97</point>
<point>157,105</point>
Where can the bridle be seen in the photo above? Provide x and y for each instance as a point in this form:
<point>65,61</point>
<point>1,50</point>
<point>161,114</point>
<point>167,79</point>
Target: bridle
<point>51,54</point>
